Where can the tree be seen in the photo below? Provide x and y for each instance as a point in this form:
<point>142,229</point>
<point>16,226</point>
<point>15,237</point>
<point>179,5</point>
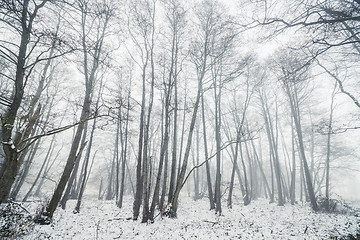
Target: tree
<point>294,73</point>
<point>20,17</point>
<point>85,174</point>
<point>328,25</point>
<point>239,118</point>
<point>125,141</point>
<point>213,40</point>
<point>143,17</point>
<point>176,19</point>
<point>208,175</point>
<point>101,15</point>
<point>273,142</point>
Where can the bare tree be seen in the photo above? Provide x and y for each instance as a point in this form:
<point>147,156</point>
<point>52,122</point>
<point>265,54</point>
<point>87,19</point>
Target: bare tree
<point>294,73</point>
<point>176,17</point>
<point>327,25</point>
<point>19,16</point>
<point>86,172</point>
<point>212,41</point>
<point>273,142</point>
<point>143,15</point>
<point>101,15</point>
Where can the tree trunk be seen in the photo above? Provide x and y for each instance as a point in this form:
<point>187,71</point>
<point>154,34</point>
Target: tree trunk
<point>85,113</point>
<point>71,182</point>
<point>208,175</point>
<point>328,151</point>
<point>124,143</point>
<point>246,196</point>
<point>179,183</point>
<point>10,169</point>
<point>296,116</point>
<point>293,171</point>
<point>86,162</point>
<point>232,179</point>
<point>162,154</point>
<point>217,97</point>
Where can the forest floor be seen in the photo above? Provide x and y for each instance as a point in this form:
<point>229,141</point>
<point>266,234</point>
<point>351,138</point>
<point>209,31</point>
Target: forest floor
<point>259,220</point>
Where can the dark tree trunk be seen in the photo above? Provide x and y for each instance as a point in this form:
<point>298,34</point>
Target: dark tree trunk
<point>86,162</point>
<point>10,169</point>
<point>71,182</point>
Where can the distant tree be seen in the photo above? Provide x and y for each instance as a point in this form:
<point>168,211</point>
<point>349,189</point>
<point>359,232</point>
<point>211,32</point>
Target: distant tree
<point>272,135</point>
<point>239,118</point>
<point>293,74</point>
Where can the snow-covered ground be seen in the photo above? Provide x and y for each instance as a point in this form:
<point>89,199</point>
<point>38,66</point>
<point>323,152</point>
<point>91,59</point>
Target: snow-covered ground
<point>259,220</point>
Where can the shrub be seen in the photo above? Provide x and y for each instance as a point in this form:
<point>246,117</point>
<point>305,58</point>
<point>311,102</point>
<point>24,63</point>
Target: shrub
<point>15,220</point>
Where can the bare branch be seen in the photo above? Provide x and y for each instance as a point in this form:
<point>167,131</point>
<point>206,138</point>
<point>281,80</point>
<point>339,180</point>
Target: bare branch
<point>340,84</point>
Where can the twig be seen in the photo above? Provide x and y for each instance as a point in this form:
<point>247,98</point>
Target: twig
<point>20,206</point>
<point>213,223</point>
<point>115,219</point>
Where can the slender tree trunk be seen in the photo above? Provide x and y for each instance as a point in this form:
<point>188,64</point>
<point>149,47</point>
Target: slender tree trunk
<point>124,150</point>
<point>72,179</point>
<point>232,179</point>
<point>179,183</point>
<point>117,160</point>
<point>163,151</point>
<point>100,189</point>
<point>164,185</point>
<point>141,143</point>
<point>246,196</point>
<point>174,72</point>
<point>217,97</point>
<point>296,116</point>
<point>146,172</point>
<point>85,113</point>
<point>208,174</point>
<point>86,161</point>
<point>182,137</point>
<point>139,176</point>
<point>328,151</point>
<point>293,171</point>
<point>109,191</point>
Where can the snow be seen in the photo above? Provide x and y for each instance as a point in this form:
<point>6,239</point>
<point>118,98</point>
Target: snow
<point>10,142</point>
<point>259,220</point>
